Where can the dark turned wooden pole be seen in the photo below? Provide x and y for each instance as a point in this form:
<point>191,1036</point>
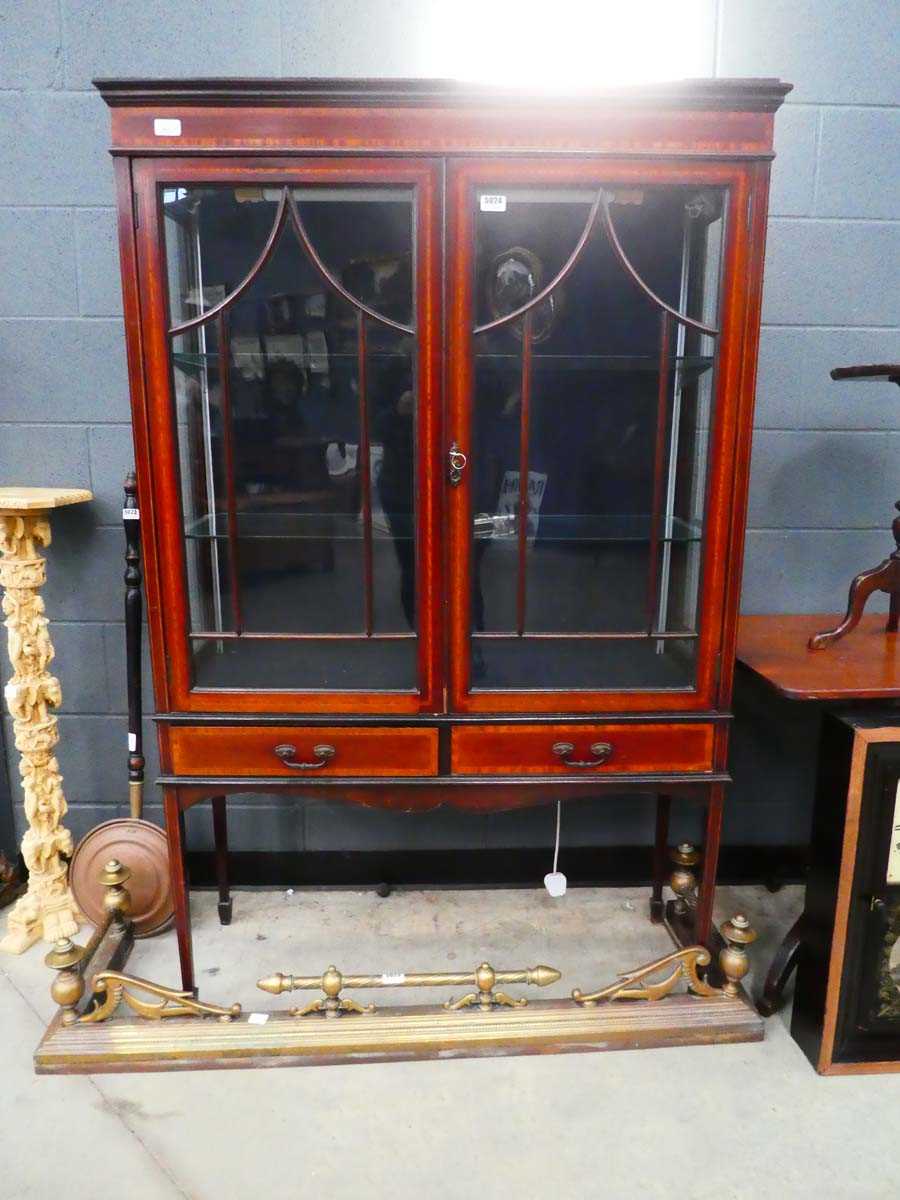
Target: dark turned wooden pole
<point>131,519</point>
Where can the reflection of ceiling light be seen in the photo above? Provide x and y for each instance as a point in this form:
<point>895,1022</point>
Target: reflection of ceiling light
<point>555,44</point>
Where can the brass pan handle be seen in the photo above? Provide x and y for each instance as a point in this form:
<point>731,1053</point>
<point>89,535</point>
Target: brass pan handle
<point>602,752</point>
<point>323,752</point>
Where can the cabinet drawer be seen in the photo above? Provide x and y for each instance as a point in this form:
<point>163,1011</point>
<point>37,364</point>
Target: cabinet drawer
<point>320,750</point>
<point>581,749</point>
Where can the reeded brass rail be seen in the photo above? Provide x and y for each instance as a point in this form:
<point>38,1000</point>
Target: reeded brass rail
<point>485,978</point>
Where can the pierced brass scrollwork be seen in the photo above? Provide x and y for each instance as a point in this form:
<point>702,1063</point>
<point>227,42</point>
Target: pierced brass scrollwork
<point>685,963</point>
<point>733,962</point>
<point>110,988</point>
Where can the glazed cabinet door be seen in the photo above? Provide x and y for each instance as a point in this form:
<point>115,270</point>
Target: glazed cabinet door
<point>594,342</point>
<point>291,327</point>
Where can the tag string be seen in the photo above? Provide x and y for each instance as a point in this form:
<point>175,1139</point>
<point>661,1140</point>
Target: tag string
<point>556,847</point>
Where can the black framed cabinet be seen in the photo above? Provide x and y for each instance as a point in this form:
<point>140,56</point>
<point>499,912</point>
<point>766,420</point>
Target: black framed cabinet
<point>847,1002</point>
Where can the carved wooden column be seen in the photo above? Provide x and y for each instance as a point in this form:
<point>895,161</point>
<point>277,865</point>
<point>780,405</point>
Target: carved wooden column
<point>47,910</point>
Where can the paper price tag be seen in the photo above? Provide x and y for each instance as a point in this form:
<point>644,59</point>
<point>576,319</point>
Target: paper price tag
<point>167,126</point>
<point>893,866</point>
<point>131,514</point>
<point>492,203</point>
<point>392,980</point>
<point>132,742</point>
<point>555,883</point>
<point>257,1018</point>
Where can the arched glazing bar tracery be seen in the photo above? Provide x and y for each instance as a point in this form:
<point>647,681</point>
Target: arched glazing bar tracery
<point>216,317</point>
<point>674,323</point>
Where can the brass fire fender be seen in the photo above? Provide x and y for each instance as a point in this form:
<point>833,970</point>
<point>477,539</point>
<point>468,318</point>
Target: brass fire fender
<point>494,1022</point>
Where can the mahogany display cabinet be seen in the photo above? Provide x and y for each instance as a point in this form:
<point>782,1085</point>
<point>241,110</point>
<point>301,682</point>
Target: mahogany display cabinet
<point>442,402</point>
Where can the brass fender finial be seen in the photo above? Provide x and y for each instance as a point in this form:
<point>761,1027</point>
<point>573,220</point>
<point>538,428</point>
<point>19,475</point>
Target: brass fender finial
<point>117,899</point>
<point>683,880</point>
<point>68,985</point>
<point>733,959</point>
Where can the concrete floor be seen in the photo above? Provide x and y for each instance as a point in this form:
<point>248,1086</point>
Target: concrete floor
<point>724,1122</point>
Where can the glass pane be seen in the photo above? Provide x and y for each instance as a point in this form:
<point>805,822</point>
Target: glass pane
<point>605,401</point>
<point>581,663</point>
<point>296,429</point>
<point>366,664</point>
<point>392,433</point>
<point>197,414</point>
<point>364,239</point>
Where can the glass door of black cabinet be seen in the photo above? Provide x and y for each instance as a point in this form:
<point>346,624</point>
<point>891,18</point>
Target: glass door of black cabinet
<point>585,409</point>
<point>299,325</point>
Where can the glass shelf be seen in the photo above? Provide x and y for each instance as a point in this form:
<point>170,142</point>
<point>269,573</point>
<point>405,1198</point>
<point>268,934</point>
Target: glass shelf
<point>618,527</point>
<point>624,527</point>
<point>191,360</point>
<point>617,364</point>
<point>501,527</point>
<point>269,526</point>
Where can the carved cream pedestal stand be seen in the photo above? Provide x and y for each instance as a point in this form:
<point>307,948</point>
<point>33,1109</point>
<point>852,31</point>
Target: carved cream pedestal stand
<point>47,910</point>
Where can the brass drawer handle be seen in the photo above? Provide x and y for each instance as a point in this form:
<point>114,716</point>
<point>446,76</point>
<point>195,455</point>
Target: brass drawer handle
<point>323,752</point>
<point>601,750</point>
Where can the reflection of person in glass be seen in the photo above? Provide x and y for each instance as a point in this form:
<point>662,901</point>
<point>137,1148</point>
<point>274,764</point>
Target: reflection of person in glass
<point>393,425</point>
<point>497,415</point>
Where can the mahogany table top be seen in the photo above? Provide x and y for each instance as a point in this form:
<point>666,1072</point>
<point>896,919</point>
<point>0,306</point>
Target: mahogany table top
<point>863,665</point>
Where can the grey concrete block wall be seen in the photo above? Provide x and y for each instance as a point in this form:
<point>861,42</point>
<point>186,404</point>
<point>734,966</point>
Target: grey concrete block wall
<point>824,472</point>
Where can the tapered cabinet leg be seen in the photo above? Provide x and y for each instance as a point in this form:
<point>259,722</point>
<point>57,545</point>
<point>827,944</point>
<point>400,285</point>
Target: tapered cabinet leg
<point>220,838</point>
<point>660,858</point>
<point>178,877</point>
<point>711,842</point>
